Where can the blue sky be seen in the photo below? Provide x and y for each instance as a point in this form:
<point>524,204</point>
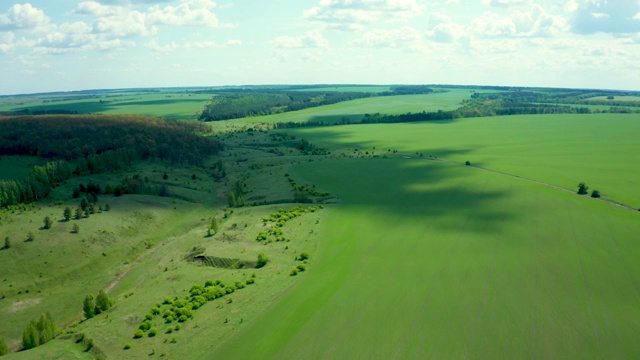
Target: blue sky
<point>51,45</point>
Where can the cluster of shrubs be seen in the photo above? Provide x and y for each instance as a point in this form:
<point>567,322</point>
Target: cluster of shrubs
<point>100,304</point>
<point>278,220</point>
<point>302,192</point>
<point>302,264</point>
<point>182,309</point>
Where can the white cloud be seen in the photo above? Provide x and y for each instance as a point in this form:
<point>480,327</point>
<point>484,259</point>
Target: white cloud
<point>95,8</point>
<point>535,22</point>
<point>170,47</point>
<point>353,14</point>
<point>405,38</point>
<point>6,42</point>
<point>615,17</point>
<point>505,3</point>
<point>123,21</point>
<point>444,30</point>
<point>313,39</point>
<point>23,17</point>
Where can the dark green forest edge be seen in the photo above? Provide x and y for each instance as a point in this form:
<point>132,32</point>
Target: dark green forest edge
<point>80,145</point>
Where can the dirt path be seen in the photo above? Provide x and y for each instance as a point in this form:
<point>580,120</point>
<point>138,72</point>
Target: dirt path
<point>572,191</point>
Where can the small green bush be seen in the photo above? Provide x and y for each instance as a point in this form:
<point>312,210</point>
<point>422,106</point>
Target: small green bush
<point>250,281</point>
<point>301,267</point>
<point>595,194</point>
<point>153,332</point>
<point>145,326</point>
<point>169,330</point>
<point>303,256</point>
<point>177,327</point>
<point>127,346</point>
<point>294,272</point>
<point>262,260</point>
<point>138,334</point>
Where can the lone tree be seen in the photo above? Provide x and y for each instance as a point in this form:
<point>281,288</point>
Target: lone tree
<point>7,243</point>
<point>75,229</point>
<point>78,213</point>
<point>67,213</point>
<point>47,222</point>
<point>595,194</point>
<point>582,188</point>
<point>214,226</point>
<point>89,307</point>
<point>30,237</point>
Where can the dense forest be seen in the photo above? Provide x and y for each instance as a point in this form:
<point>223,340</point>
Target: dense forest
<point>239,103</point>
<point>90,144</point>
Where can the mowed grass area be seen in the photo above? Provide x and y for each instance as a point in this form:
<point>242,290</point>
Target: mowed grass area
<point>17,167</point>
<point>425,259</point>
<point>179,106</point>
<point>599,149</point>
<point>356,109</point>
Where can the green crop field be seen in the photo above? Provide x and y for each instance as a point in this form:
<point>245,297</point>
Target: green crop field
<point>449,100</point>
<point>409,253</point>
<point>428,259</point>
<point>616,98</point>
<point>564,150</point>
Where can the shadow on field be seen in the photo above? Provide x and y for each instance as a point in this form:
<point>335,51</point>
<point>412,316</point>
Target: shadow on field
<point>416,187</point>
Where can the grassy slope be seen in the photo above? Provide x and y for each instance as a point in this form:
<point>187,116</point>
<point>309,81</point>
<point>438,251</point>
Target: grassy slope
<point>60,268</point>
<point>432,260</point>
<point>599,149</point>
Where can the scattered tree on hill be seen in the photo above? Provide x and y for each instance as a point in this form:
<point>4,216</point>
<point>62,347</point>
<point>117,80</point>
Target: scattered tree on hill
<point>75,229</point>
<point>103,303</point>
<point>67,213</point>
<point>467,162</point>
<point>78,213</point>
<point>595,194</point>
<point>165,176</point>
<point>7,243</point>
<point>4,349</point>
<point>89,307</point>
<point>39,332</point>
<point>214,226</point>
<point>84,203</point>
<point>107,207</point>
<point>582,188</point>
<point>87,212</point>
<point>47,222</point>
<point>30,237</point>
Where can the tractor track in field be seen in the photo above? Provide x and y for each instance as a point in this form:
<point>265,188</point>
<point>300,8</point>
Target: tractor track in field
<point>557,187</point>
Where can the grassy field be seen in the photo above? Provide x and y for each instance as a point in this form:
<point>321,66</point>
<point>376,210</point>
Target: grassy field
<point>598,149</point>
<point>167,105</point>
<point>357,108</point>
<point>617,98</point>
<point>432,260</point>
<point>413,254</point>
